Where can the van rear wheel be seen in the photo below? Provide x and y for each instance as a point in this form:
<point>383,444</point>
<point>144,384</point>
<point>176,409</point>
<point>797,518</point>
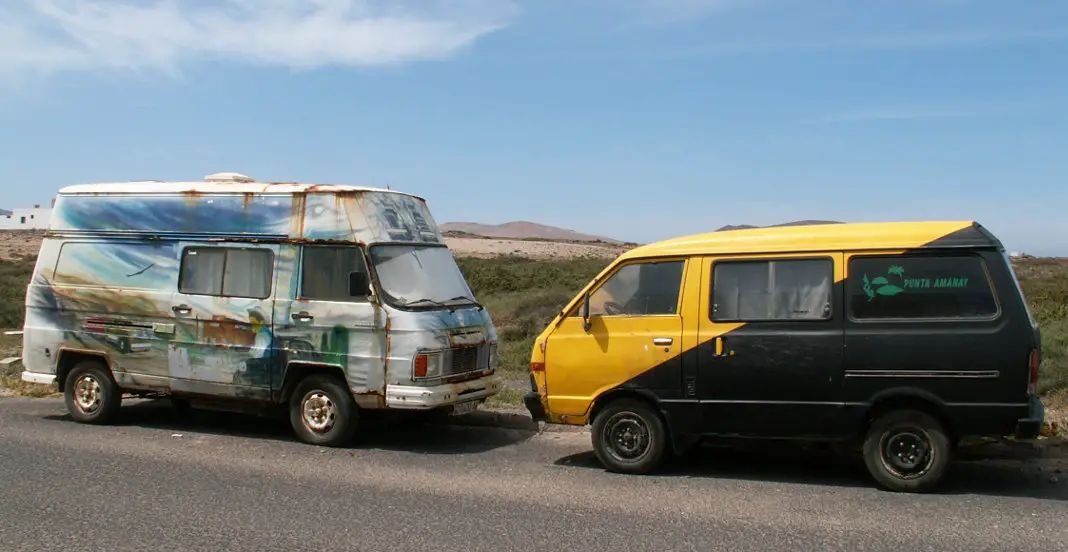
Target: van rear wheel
<point>629,437</point>
<point>907,451</point>
<point>322,411</point>
<point>91,394</point>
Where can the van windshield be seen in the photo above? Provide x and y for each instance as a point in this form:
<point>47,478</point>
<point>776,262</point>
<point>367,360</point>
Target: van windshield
<point>420,276</point>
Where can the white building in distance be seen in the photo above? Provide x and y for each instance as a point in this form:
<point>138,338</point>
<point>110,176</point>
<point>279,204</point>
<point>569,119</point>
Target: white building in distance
<point>25,219</point>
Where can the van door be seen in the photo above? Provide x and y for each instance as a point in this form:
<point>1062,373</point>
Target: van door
<point>223,341</point>
<point>323,322</point>
<point>634,340</point>
<point>770,359</point>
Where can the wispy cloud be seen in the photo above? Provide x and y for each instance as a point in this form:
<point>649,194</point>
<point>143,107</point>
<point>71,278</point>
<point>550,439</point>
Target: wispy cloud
<point>46,36</point>
<point>913,113</point>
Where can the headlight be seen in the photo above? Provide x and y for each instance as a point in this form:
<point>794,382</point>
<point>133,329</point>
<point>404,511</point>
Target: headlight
<point>427,365</point>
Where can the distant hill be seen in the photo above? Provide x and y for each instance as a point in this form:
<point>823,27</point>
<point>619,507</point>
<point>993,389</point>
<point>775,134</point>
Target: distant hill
<point>794,223</point>
<point>521,230</point>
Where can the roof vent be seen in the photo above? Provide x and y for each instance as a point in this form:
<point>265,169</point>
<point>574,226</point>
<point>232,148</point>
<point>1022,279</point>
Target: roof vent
<point>228,177</point>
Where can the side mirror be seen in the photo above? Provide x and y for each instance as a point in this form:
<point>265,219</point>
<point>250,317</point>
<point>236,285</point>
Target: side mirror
<point>586,312</point>
<point>359,285</point>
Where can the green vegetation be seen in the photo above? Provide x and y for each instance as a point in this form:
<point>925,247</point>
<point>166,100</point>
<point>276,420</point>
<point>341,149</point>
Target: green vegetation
<point>14,277</point>
<point>1045,284</point>
<point>523,295</point>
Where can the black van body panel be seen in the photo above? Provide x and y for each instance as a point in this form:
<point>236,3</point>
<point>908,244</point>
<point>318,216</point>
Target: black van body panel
<point>824,380</point>
<point>975,370</point>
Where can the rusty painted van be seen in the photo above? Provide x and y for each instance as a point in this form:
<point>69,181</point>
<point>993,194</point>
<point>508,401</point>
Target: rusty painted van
<point>327,300</point>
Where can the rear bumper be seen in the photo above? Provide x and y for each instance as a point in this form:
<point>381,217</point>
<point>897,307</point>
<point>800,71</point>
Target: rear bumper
<point>414,397</point>
<point>35,377</point>
<point>532,401</point>
<point>1031,426</point>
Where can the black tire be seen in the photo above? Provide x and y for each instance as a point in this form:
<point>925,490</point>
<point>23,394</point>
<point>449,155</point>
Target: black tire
<point>338,411</point>
<point>907,451</point>
<point>91,394</point>
<point>629,437</point>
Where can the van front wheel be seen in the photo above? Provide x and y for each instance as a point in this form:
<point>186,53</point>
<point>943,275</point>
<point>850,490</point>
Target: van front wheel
<point>322,411</point>
<point>629,437</point>
<point>907,451</point>
<point>91,394</point>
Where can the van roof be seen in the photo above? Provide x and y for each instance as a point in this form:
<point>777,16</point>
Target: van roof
<point>824,237</point>
<point>220,183</point>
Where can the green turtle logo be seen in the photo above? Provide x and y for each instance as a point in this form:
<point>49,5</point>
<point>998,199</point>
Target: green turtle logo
<point>882,285</point>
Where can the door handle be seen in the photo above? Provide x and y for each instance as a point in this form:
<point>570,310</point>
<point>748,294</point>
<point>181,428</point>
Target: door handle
<point>182,309</point>
<point>721,347</point>
<point>302,317</point>
<point>664,341</point>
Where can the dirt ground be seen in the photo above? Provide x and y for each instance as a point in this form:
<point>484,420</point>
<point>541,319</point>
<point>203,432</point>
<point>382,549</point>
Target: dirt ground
<point>16,244</point>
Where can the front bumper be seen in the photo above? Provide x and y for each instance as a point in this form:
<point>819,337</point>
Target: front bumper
<point>414,397</point>
<point>1031,426</point>
<point>35,377</point>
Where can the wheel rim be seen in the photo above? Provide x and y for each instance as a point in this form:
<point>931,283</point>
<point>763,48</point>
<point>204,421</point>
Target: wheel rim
<point>320,412</point>
<point>87,394</point>
<point>626,437</point>
<point>907,453</point>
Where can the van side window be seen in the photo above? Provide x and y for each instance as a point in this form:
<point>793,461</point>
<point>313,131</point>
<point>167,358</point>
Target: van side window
<point>787,289</point>
<point>130,266</point>
<point>640,289</point>
<point>920,287</point>
<point>325,272</point>
<point>227,272</point>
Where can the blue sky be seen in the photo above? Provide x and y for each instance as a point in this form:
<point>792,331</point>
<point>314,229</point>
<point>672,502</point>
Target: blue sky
<point>636,119</point>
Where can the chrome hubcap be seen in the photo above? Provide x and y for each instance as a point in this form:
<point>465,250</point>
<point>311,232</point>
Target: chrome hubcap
<point>320,413</point>
<point>87,394</point>
<point>907,453</point>
<point>626,436</point>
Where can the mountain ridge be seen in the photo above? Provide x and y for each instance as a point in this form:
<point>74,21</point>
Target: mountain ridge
<point>522,229</point>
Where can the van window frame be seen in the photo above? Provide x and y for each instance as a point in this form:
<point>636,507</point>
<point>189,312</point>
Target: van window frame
<point>922,320</point>
<point>768,259</point>
<point>371,291</point>
<point>55,269</point>
<point>225,248</point>
<point>598,284</point>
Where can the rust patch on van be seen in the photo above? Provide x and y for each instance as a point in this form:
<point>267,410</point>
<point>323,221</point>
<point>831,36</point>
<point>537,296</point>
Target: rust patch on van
<point>300,203</point>
<point>193,197</point>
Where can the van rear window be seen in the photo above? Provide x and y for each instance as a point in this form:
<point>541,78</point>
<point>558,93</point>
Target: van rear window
<point>920,287</point>
<point>120,265</point>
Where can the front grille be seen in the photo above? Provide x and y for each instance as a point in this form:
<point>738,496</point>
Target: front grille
<point>467,359</point>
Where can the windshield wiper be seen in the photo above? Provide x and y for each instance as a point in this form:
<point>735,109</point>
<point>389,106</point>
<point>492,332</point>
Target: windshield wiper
<point>468,299</point>
<point>431,301</point>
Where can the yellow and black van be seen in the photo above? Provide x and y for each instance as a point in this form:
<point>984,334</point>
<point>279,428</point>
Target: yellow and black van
<point>906,336</point>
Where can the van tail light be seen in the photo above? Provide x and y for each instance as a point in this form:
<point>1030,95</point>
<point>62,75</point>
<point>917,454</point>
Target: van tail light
<point>1032,380</point>
<point>537,366</point>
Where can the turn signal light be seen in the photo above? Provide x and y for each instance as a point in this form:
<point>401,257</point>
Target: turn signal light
<point>537,366</point>
<point>420,366</point>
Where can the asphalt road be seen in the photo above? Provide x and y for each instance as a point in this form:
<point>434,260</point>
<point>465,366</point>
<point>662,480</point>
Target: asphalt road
<point>211,481</point>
